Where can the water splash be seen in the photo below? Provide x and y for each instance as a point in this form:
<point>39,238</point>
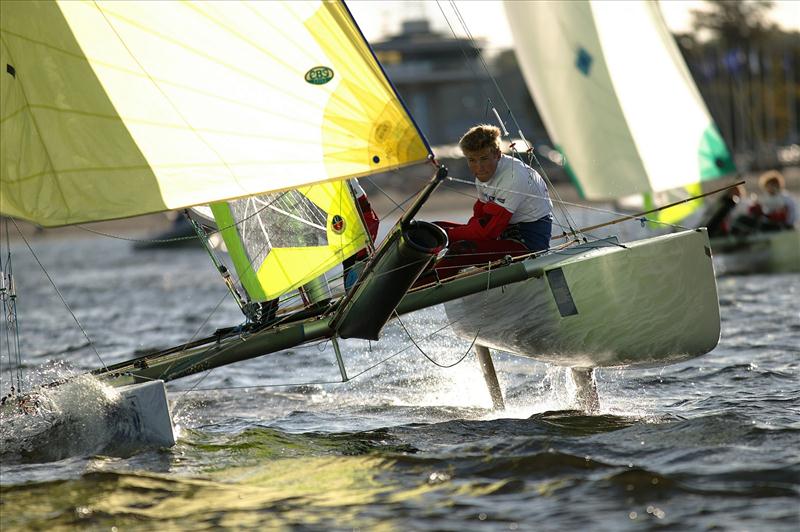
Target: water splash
<point>79,417</point>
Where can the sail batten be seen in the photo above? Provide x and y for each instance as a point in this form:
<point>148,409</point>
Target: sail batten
<point>125,108</point>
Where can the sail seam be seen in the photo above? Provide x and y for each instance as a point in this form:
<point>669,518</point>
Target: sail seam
<point>35,123</point>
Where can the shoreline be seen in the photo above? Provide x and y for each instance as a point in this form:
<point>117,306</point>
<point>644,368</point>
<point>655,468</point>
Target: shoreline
<point>451,198</point>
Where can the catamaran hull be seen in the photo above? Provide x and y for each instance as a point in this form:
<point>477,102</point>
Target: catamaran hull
<point>773,252</point>
<point>648,303</point>
<point>150,422</point>
<point>78,418</point>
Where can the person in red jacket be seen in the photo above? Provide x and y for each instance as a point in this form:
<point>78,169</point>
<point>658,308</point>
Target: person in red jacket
<point>513,214</point>
<point>775,210</point>
<point>777,207</point>
<point>350,266</point>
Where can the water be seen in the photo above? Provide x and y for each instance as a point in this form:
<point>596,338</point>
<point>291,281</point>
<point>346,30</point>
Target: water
<point>708,444</point>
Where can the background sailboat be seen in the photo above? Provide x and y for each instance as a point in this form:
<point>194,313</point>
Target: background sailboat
<point>616,97</point>
<point>631,122</point>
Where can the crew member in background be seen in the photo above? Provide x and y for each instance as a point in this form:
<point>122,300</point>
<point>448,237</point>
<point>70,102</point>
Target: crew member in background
<point>777,208</point>
<point>773,211</point>
<point>728,208</point>
<point>513,213</point>
<point>349,265</point>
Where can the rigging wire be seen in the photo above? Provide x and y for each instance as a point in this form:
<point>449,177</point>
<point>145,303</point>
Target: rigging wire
<point>353,377</point>
<point>142,240</point>
<point>60,296</point>
<point>207,373</point>
<point>530,150</point>
<point>177,239</point>
<point>626,216</point>
<point>10,318</point>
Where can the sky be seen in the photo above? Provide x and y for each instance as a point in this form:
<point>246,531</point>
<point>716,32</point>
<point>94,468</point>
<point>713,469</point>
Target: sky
<point>379,18</point>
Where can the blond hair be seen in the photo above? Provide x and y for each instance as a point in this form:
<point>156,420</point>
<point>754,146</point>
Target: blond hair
<point>772,175</point>
<point>479,137</point>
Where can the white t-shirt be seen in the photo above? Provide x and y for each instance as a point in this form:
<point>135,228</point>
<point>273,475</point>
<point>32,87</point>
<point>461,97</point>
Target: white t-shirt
<point>518,188</point>
<point>777,202</point>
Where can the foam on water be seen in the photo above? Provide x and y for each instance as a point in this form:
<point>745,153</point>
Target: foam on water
<point>80,417</point>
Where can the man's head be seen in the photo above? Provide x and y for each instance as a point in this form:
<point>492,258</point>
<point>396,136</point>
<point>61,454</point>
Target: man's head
<point>772,182</point>
<point>737,192</point>
<point>481,147</point>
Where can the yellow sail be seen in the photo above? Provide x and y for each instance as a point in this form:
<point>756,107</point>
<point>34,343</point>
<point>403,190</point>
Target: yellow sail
<point>677,214</point>
<point>281,241</point>
<point>116,109</point>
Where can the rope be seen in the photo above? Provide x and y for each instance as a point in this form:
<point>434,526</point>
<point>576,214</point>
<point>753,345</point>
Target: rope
<point>472,343</point>
<point>309,383</point>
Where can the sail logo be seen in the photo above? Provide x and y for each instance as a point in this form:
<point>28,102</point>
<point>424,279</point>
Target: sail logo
<point>337,224</point>
<point>319,75</point>
<point>583,61</point>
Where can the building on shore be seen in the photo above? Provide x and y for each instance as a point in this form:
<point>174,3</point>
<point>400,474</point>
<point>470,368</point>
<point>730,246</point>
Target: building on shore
<point>447,83</point>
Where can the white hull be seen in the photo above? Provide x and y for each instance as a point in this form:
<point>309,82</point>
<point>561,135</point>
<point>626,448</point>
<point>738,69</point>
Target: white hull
<point>650,303</point>
<point>771,252</point>
<point>85,417</point>
<point>150,422</point>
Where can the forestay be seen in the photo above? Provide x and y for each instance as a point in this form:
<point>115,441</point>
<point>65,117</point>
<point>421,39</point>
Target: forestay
<point>116,109</point>
<point>616,96</point>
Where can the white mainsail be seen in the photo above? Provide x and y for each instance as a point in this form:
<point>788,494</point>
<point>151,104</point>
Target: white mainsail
<point>616,97</point>
<point>116,109</point>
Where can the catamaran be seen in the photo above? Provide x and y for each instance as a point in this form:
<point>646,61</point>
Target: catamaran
<point>264,111</point>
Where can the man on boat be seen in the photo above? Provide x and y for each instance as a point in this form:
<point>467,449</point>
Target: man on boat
<point>774,211</point>
<point>777,208</point>
<point>352,266</point>
<point>513,212</point>
<point>726,210</point>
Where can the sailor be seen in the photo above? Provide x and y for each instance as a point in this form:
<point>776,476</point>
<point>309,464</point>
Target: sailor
<point>773,211</point>
<point>370,217</point>
<point>513,202</point>
<point>353,265</point>
<point>722,214</point>
<point>513,212</point>
<point>778,209</point>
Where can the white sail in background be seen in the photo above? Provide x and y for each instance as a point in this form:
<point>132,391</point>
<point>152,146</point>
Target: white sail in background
<point>616,96</point>
<point>115,109</point>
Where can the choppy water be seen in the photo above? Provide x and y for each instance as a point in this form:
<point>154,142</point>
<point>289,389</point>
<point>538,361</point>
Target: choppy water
<point>713,443</point>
